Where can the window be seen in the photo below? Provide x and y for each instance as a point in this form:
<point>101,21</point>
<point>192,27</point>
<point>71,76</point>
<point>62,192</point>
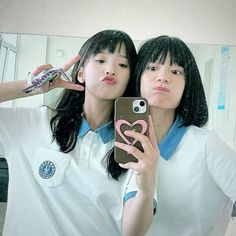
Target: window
<point>8,58</point>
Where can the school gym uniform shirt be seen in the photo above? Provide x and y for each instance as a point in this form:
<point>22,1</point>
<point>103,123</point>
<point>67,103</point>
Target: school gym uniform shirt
<point>196,185</point>
<point>54,193</point>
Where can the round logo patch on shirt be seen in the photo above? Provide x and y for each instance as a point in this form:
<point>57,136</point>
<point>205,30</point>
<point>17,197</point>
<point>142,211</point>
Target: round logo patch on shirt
<point>47,169</point>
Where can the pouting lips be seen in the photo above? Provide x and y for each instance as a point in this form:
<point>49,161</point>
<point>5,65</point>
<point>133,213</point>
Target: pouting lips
<point>161,89</point>
<point>110,80</point>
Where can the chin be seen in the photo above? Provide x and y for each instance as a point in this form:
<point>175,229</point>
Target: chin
<point>110,97</point>
<point>159,105</point>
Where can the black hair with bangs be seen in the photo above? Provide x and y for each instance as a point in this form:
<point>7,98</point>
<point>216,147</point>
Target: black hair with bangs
<point>193,106</point>
<point>67,117</point>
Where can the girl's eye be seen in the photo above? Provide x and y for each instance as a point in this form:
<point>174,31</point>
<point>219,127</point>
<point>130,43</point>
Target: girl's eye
<point>152,68</point>
<point>123,65</point>
<point>100,61</point>
<point>177,72</point>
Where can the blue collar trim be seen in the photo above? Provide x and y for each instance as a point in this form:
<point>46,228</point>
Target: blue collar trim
<point>106,131</point>
<point>169,143</point>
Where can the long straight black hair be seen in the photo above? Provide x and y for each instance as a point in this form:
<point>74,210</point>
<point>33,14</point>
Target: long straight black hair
<point>193,106</point>
<point>67,114</point>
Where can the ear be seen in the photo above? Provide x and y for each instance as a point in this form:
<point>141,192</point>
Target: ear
<point>80,75</point>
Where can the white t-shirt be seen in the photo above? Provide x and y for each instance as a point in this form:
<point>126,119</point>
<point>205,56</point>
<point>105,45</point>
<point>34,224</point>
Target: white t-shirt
<point>53,193</point>
<point>196,184</point>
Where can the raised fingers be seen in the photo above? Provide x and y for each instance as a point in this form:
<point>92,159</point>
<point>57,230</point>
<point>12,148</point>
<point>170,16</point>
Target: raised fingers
<point>70,63</point>
<point>144,140</point>
<point>69,85</point>
<point>41,68</point>
<point>130,149</point>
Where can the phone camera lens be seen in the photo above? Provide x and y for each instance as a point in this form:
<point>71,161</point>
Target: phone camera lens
<point>136,109</point>
<point>142,103</point>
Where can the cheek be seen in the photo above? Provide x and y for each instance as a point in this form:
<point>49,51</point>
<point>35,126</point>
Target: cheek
<point>127,75</point>
<point>180,90</point>
<point>126,78</point>
<point>182,87</point>
<point>143,86</point>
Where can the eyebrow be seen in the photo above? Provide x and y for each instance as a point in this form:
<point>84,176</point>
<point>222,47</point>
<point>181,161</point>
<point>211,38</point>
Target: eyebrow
<point>105,51</point>
<point>124,56</point>
<point>158,63</point>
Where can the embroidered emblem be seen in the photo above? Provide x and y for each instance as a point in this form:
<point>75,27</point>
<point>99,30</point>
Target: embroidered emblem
<point>47,169</point>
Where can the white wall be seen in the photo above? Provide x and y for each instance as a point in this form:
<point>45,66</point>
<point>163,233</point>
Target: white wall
<point>195,21</point>
<point>223,121</point>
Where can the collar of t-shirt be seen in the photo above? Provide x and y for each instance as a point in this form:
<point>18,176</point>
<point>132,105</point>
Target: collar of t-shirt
<point>106,132</point>
<point>169,143</point>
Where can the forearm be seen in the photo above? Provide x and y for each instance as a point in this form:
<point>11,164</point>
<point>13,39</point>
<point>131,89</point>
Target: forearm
<point>13,90</point>
<point>137,216</point>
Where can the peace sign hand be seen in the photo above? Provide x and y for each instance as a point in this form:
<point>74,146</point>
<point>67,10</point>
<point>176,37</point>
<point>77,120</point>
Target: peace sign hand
<point>44,85</point>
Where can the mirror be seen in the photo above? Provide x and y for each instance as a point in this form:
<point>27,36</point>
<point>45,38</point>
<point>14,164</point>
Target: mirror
<point>22,53</point>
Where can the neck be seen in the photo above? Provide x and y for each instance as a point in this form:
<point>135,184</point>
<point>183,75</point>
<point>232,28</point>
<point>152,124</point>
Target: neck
<point>97,113</point>
<point>162,121</point>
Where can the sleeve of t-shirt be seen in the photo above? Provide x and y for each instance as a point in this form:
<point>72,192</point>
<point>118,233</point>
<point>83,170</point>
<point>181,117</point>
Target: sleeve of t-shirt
<point>131,191</point>
<point>16,124</point>
<point>221,161</point>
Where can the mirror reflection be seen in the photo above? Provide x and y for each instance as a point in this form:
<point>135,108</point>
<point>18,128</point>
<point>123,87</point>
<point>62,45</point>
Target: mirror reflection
<point>20,54</point>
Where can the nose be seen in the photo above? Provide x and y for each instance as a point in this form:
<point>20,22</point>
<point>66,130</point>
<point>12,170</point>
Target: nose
<point>110,73</point>
<point>163,78</point>
<point>110,69</point>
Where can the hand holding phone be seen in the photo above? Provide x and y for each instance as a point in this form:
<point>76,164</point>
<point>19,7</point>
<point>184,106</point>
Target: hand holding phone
<point>131,113</point>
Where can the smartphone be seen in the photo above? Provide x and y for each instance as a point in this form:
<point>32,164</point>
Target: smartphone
<point>131,113</point>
